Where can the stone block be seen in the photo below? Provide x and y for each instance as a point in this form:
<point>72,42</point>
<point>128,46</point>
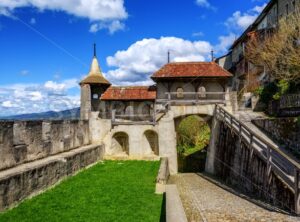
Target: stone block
<point>6,145</point>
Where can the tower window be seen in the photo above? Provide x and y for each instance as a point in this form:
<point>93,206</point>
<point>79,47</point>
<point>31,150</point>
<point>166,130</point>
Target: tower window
<point>95,96</point>
<point>179,93</point>
<point>202,92</point>
<point>287,9</point>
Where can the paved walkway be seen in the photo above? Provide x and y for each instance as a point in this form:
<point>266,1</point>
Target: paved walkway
<point>207,202</point>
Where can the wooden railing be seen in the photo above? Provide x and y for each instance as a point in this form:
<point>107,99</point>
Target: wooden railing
<point>132,119</point>
<point>194,97</point>
<point>283,165</point>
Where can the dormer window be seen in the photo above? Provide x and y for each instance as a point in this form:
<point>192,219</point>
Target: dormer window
<point>179,93</point>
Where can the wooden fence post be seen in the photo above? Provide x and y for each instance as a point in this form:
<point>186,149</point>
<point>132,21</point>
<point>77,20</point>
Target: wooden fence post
<point>297,195</point>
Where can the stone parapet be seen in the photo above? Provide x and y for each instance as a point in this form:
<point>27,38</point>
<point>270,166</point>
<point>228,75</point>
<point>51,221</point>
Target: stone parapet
<point>26,141</point>
<point>29,179</point>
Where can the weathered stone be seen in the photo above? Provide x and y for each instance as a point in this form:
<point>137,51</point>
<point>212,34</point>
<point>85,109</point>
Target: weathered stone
<point>29,178</point>
<point>27,141</point>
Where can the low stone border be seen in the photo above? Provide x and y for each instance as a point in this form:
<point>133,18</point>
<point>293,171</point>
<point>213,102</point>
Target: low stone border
<point>163,176</point>
<point>23,181</point>
<point>174,208</point>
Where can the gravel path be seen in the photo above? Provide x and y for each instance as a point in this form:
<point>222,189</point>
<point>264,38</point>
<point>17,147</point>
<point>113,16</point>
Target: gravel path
<point>207,202</point>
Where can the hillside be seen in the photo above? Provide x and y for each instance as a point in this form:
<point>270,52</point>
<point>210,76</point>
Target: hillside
<point>51,115</point>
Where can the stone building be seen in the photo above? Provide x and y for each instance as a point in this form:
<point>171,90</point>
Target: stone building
<point>139,122</point>
<point>191,82</point>
<point>244,72</point>
<point>128,103</point>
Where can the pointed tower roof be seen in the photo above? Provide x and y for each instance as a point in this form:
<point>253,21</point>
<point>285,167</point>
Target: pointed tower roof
<point>95,75</point>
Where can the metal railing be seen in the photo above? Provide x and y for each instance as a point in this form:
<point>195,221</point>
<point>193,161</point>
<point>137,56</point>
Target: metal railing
<point>283,165</point>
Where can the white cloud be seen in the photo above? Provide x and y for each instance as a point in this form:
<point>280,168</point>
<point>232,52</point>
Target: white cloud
<point>8,104</point>
<point>136,64</point>
<point>33,98</point>
<point>112,27</point>
<point>111,11</point>
<point>240,21</point>
<point>225,42</point>
<point>205,4</point>
<point>198,34</point>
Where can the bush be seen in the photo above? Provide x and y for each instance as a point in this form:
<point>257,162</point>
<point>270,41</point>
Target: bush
<point>282,88</point>
<point>266,92</point>
<point>193,133</point>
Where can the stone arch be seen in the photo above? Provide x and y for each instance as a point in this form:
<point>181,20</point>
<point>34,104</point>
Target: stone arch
<point>150,141</point>
<point>192,150</point>
<point>202,117</point>
<point>120,143</point>
<point>129,110</point>
<point>214,87</point>
<point>179,111</point>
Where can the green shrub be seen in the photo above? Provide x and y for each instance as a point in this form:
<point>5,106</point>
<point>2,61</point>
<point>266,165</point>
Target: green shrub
<point>266,92</point>
<point>193,134</point>
<point>282,88</point>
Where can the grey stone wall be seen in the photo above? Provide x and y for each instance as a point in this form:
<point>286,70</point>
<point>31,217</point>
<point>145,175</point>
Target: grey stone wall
<point>285,131</point>
<point>283,5</point>
<point>26,141</point>
<point>28,179</point>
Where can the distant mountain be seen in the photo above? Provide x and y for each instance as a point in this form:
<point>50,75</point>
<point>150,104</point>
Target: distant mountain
<point>51,115</point>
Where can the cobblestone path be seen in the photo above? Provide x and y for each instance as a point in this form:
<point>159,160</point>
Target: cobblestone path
<point>207,202</point>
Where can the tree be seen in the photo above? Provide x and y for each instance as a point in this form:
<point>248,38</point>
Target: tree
<point>277,50</point>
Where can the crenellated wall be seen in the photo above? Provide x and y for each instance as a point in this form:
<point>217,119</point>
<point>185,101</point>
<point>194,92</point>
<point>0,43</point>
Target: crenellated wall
<point>26,141</point>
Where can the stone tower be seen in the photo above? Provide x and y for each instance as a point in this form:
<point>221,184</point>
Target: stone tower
<point>92,87</point>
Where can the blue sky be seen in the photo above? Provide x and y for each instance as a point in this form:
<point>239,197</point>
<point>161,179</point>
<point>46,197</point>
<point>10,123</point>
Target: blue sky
<point>46,45</point>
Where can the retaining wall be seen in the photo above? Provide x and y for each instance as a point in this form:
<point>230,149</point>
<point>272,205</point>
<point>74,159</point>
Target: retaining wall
<point>285,131</point>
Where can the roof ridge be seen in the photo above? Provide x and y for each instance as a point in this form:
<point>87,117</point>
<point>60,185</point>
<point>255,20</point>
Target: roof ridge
<point>203,62</point>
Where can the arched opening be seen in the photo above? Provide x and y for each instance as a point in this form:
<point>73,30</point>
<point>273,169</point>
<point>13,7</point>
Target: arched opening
<point>151,142</point>
<point>179,93</point>
<point>129,110</point>
<point>201,92</point>
<point>193,137</point>
<point>120,143</point>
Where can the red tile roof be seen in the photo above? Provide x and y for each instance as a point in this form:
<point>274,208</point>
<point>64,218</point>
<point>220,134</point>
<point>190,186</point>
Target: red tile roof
<point>191,69</point>
<point>130,93</point>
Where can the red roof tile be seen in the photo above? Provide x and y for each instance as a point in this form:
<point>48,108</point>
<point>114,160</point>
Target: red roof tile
<point>130,93</point>
<point>191,69</point>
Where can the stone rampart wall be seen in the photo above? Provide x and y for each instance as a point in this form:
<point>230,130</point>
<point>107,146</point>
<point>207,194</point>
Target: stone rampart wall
<point>28,179</point>
<point>26,141</point>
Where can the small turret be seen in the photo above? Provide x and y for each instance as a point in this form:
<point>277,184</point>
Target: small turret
<point>92,87</point>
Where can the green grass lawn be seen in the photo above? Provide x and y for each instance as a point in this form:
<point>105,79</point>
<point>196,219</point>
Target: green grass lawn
<point>112,191</point>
